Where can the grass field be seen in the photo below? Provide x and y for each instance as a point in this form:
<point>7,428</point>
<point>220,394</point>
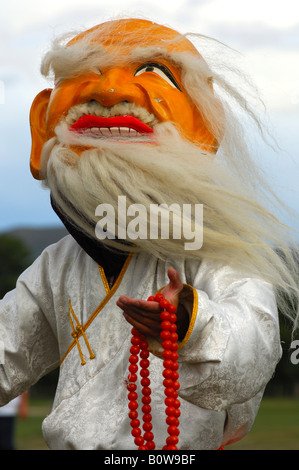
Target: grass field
<point>276,427</point>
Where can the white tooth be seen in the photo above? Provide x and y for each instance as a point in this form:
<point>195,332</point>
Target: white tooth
<point>114,131</point>
<point>95,131</point>
<point>124,131</point>
<point>133,133</point>
<point>105,131</point>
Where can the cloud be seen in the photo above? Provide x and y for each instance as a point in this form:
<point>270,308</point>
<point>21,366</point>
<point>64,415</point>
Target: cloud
<point>256,35</point>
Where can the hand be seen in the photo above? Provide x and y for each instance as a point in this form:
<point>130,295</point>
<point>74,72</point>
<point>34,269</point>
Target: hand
<point>144,315</point>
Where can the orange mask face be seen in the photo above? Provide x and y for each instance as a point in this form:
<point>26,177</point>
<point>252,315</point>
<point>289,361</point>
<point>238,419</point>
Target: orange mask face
<point>153,84</point>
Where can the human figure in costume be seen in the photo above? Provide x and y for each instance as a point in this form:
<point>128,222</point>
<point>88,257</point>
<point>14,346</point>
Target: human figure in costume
<point>135,112</point>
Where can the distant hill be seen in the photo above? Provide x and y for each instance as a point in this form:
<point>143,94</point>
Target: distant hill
<point>37,239</point>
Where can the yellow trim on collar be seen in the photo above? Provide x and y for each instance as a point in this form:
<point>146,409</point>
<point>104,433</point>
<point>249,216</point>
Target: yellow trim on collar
<point>109,294</point>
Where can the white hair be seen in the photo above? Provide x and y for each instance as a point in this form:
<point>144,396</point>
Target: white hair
<point>239,228</point>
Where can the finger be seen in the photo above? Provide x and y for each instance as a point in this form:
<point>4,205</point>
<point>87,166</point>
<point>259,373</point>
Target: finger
<point>175,282</point>
<point>146,329</point>
<point>148,306</point>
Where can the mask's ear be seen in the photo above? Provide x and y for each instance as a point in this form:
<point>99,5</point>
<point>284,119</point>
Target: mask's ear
<point>38,115</point>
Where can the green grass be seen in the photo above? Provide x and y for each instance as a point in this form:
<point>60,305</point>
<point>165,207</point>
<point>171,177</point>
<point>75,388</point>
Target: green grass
<point>276,427</point>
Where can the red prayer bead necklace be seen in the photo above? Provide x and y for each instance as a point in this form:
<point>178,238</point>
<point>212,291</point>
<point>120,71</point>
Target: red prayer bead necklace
<point>139,349</point>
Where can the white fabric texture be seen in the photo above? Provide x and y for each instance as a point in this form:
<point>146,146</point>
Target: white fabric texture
<point>226,360</point>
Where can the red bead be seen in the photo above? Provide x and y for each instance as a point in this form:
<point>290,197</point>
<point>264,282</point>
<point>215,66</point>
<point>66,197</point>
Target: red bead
<point>174,337</point>
<point>174,345</point>
<point>167,373</point>
<point>132,396</point>
<point>135,340</point>
<point>167,344</point>
<point>134,349</point>
<point>177,413</point>
<point>167,354</point>
<point>159,297</point>
<point>151,298</point>
<point>167,364</point>
<point>172,440</point>
<point>177,403</point>
<point>171,420</point>
<point>164,315</point>
<point>173,430</point>
<point>133,368</point>
<point>146,400</point>
<point>173,328</point>
<point>133,414</point>
<point>135,332</point>
<point>143,345</point>
<point>145,382</point>
<point>147,418</point>
<point>164,303</point>
<point>133,359</point>
<point>151,445</point>
<point>133,405</point>
<point>148,436</point>
<point>174,355</point>
<point>171,448</point>
<point>174,365</point>
<point>171,308</point>
<point>169,391</point>
<point>147,426</point>
<point>165,325</point>
<point>169,401</point>
<point>144,354</point>
<point>131,387</point>
<point>146,391</point>
<point>142,447</point>
<point>135,423</point>
<point>175,375</point>
<point>144,363</point>
<point>132,378</point>
<point>139,441</point>
<point>172,317</point>
<point>144,372</point>
<point>167,383</point>
<point>170,411</point>
<point>165,335</point>
<point>146,409</point>
<point>136,432</point>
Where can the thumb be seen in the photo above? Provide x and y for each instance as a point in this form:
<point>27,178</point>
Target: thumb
<point>175,284</point>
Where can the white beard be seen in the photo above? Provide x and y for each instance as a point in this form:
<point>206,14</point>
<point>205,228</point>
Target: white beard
<point>237,230</point>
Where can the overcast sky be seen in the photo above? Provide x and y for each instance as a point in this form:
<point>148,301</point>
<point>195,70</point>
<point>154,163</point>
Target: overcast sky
<point>265,32</point>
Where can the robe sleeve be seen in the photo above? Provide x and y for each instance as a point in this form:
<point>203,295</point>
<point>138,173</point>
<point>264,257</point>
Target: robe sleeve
<point>232,345</point>
<point>28,344</point>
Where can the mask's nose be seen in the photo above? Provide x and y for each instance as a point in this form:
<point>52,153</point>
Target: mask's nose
<point>113,87</point>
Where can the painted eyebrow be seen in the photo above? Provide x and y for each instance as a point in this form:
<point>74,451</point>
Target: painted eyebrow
<point>164,69</point>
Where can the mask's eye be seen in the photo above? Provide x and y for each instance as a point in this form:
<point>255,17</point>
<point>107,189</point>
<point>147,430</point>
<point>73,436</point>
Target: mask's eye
<point>159,69</point>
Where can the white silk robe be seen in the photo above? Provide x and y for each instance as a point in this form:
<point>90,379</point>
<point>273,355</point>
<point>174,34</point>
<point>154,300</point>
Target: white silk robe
<point>226,359</point>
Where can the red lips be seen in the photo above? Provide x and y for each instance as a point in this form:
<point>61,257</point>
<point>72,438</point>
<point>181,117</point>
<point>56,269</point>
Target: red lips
<point>89,121</point>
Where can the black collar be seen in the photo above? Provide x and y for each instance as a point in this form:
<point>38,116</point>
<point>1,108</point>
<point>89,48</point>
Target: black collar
<point>111,260</point>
